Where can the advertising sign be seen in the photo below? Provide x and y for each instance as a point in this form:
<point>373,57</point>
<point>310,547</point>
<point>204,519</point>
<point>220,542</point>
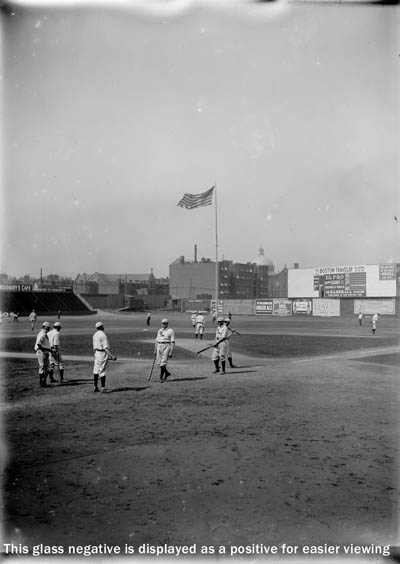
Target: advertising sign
<point>264,307</point>
<point>282,306</point>
<point>220,307</point>
<point>302,307</point>
<point>349,285</point>
<point>339,270</point>
<point>326,308</point>
<point>16,287</point>
<point>387,272</point>
<point>369,307</point>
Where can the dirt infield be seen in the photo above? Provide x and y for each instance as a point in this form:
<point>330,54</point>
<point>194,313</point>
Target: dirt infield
<point>299,449</point>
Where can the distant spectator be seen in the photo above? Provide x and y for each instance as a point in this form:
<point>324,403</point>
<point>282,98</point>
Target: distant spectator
<point>59,315</point>
<point>148,319</point>
<point>16,315</point>
<point>360,318</point>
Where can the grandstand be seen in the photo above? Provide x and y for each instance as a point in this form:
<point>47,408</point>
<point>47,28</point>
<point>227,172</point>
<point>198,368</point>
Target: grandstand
<point>44,301</point>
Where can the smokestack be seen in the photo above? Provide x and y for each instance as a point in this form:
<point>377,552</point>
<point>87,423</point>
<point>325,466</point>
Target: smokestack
<point>195,253</point>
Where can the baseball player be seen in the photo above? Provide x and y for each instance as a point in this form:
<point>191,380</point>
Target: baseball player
<point>200,322</point>
<point>42,348</point>
<point>164,346</point>
<point>102,355</point>
<point>219,351</point>
<point>32,319</point>
<point>148,319</point>
<point>228,345</point>
<point>56,359</point>
<point>193,318</point>
<point>374,321</point>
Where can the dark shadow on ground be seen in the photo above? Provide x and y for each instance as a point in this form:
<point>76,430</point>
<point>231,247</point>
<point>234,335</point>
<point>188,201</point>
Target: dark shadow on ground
<point>240,371</point>
<point>128,389</point>
<point>74,382</point>
<point>187,379</point>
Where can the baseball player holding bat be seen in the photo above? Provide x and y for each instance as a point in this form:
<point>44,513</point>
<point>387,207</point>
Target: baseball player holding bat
<point>102,355</point>
<point>164,346</point>
<point>220,348</point>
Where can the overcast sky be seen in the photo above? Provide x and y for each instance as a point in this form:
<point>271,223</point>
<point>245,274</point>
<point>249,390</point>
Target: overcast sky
<point>112,114</point>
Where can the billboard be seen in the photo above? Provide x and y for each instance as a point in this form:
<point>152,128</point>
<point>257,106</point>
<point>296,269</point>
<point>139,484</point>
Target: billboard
<point>282,306</point>
<point>264,307</point>
<point>387,272</point>
<point>341,281</point>
<point>220,307</point>
<point>302,307</point>
<point>370,307</point>
<point>326,308</point>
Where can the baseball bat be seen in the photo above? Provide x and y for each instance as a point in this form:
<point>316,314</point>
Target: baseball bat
<point>152,366</point>
<point>211,346</point>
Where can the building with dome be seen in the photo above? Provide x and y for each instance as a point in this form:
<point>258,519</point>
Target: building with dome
<point>262,260</point>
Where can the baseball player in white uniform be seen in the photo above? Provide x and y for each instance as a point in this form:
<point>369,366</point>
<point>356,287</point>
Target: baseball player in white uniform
<point>33,318</point>
<point>56,359</point>
<point>164,346</point>
<point>374,321</point>
<point>193,318</point>
<point>200,322</point>
<point>42,348</point>
<point>228,345</point>
<point>219,351</point>
<point>102,355</point>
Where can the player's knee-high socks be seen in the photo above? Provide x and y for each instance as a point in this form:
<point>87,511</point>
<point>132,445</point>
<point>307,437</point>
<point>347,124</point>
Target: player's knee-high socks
<point>103,381</point>
<point>61,375</point>
<point>95,381</point>
<point>216,364</point>
<point>223,366</point>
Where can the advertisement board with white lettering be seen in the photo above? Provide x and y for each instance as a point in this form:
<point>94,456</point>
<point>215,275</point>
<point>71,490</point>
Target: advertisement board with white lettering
<point>323,307</point>
<point>302,307</point>
<point>264,307</point>
<point>282,306</point>
<point>369,307</point>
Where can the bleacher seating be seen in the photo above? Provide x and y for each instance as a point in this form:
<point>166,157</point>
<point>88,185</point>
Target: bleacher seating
<point>43,302</point>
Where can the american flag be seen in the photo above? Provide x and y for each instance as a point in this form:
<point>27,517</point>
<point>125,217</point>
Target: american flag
<point>191,201</point>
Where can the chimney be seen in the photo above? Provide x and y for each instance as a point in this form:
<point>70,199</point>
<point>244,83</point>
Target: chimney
<point>296,265</point>
<point>195,253</point>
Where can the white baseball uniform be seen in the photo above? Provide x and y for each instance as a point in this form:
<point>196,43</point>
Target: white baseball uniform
<point>101,357</point>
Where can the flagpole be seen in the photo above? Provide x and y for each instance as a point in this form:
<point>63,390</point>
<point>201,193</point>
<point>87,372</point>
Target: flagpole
<point>216,251</point>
